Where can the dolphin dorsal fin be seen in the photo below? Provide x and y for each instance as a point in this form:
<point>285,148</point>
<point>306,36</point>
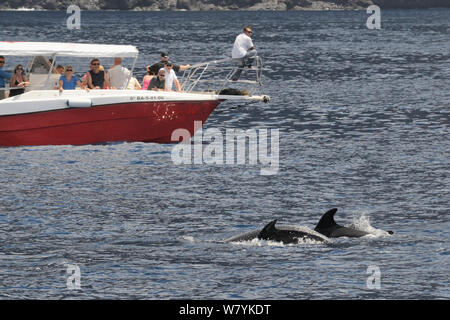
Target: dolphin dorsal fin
<point>327,220</point>
<point>268,230</point>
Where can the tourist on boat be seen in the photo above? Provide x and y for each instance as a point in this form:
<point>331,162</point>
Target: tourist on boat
<point>164,58</point>
<point>243,51</point>
<point>84,78</point>
<point>170,77</point>
<point>18,79</point>
<point>158,83</point>
<point>97,78</point>
<point>3,76</point>
<point>118,75</point>
<point>134,84</point>
<point>60,69</point>
<point>147,78</point>
<point>69,81</point>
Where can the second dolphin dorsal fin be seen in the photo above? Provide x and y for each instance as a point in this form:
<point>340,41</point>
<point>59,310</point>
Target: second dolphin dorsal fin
<point>327,220</point>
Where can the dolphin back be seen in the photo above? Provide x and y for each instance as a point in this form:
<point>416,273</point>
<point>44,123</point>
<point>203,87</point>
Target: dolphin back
<point>348,232</point>
<point>282,233</point>
<point>248,236</point>
<point>290,234</point>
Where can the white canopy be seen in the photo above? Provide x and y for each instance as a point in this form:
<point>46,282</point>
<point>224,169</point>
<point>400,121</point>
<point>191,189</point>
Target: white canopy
<point>66,49</point>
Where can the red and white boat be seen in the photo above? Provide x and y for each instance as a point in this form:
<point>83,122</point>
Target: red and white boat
<point>44,116</point>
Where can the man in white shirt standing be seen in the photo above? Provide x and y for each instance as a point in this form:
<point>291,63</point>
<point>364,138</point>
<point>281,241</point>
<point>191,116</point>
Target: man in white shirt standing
<point>243,51</point>
<point>118,75</point>
<point>170,77</point>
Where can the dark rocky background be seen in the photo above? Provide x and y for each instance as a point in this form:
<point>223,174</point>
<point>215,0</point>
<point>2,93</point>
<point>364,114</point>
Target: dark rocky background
<point>220,4</point>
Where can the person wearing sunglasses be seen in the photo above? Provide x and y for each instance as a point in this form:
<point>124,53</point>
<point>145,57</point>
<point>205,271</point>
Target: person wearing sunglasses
<point>18,80</point>
<point>157,83</point>
<point>97,78</point>
<point>243,51</point>
<point>164,58</point>
<point>69,81</point>
<point>3,76</point>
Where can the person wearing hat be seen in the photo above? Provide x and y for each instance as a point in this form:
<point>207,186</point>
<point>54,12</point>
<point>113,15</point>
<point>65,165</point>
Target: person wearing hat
<point>243,51</point>
<point>170,77</point>
<point>164,58</point>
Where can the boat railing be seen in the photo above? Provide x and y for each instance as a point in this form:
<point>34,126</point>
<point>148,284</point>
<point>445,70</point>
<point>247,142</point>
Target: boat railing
<point>217,76</point>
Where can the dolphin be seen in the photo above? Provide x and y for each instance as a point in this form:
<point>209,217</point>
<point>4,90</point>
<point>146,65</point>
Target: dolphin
<point>287,235</point>
<point>284,234</point>
<point>329,228</point>
<point>326,228</point>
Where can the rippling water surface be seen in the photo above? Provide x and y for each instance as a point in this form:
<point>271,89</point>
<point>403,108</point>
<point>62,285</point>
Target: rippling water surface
<point>364,120</point>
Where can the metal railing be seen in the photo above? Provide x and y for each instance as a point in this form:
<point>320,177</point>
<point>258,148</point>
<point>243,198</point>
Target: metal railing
<point>216,76</point>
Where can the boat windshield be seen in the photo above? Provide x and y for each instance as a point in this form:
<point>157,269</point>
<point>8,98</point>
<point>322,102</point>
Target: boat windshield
<point>40,65</point>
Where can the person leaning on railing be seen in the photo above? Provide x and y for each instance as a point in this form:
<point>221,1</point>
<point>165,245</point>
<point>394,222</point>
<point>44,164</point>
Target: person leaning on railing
<point>170,78</point>
<point>3,76</point>
<point>164,58</point>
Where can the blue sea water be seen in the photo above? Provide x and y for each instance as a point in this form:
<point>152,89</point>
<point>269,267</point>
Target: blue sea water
<point>364,120</point>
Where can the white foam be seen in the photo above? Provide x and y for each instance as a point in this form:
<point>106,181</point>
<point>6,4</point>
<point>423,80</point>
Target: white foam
<point>260,243</point>
<point>362,223</point>
<point>189,238</point>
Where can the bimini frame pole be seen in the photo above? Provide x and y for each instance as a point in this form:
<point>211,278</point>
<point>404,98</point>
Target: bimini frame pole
<point>50,71</point>
<point>131,71</point>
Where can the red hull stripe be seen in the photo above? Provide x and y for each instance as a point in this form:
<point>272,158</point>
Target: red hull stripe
<point>145,121</point>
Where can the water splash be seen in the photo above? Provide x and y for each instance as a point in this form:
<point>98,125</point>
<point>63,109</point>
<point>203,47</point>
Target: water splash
<point>269,243</point>
<point>362,222</point>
